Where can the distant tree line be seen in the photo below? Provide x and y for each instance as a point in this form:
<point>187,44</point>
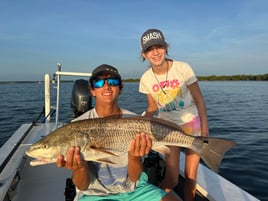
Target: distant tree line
<point>263,77</point>
<point>131,80</point>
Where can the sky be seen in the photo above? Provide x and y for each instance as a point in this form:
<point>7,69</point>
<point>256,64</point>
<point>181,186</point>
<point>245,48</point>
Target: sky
<point>227,37</point>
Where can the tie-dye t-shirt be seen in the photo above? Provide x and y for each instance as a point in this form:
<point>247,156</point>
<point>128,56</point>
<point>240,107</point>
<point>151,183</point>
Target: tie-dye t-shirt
<point>173,98</point>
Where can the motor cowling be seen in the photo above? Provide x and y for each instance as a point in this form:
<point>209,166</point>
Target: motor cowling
<point>81,97</point>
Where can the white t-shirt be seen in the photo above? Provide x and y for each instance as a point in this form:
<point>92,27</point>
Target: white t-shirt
<point>173,98</point>
<point>107,179</point>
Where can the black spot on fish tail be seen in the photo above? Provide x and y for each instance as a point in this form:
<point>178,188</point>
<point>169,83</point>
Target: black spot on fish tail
<point>205,140</point>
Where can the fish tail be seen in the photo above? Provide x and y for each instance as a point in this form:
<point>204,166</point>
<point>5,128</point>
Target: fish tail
<point>213,151</point>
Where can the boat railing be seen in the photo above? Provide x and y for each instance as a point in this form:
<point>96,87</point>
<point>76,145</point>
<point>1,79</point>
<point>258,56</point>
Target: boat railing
<point>57,78</point>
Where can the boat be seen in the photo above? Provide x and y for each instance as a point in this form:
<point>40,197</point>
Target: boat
<point>21,182</point>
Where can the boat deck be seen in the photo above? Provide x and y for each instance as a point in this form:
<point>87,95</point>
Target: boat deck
<point>20,182</point>
<point>41,183</point>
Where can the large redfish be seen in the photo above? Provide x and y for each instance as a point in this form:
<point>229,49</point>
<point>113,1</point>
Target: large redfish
<point>101,138</point>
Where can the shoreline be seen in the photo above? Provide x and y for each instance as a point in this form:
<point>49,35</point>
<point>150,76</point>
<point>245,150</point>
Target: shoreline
<point>261,77</point>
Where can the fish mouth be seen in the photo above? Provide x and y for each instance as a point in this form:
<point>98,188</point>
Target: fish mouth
<point>41,161</point>
<point>37,158</point>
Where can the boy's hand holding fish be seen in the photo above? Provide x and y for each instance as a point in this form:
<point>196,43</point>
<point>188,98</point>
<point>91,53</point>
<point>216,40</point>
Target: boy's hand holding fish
<point>140,145</point>
<point>73,160</point>
<point>75,163</point>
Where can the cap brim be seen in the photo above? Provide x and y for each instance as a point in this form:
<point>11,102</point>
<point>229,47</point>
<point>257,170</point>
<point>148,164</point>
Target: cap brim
<point>152,43</point>
<point>105,73</point>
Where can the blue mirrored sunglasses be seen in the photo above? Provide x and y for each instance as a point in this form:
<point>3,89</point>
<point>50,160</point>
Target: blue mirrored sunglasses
<point>99,82</point>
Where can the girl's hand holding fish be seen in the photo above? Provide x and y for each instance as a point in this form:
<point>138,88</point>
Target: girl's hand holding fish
<point>140,145</point>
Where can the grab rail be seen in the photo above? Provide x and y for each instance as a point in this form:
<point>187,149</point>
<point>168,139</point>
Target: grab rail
<point>58,73</point>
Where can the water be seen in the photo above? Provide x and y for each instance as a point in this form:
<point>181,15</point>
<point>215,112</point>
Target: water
<point>236,110</point>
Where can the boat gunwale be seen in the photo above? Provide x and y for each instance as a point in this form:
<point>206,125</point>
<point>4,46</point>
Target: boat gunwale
<point>12,144</point>
<point>11,159</point>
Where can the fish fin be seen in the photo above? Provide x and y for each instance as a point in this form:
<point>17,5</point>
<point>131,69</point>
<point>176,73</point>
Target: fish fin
<point>94,154</point>
<point>161,149</point>
<point>213,151</point>
<point>103,150</point>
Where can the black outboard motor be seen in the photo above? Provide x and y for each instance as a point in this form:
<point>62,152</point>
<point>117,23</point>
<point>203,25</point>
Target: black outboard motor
<point>81,97</point>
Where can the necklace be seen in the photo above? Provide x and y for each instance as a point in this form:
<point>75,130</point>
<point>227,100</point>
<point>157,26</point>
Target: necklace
<point>165,83</point>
